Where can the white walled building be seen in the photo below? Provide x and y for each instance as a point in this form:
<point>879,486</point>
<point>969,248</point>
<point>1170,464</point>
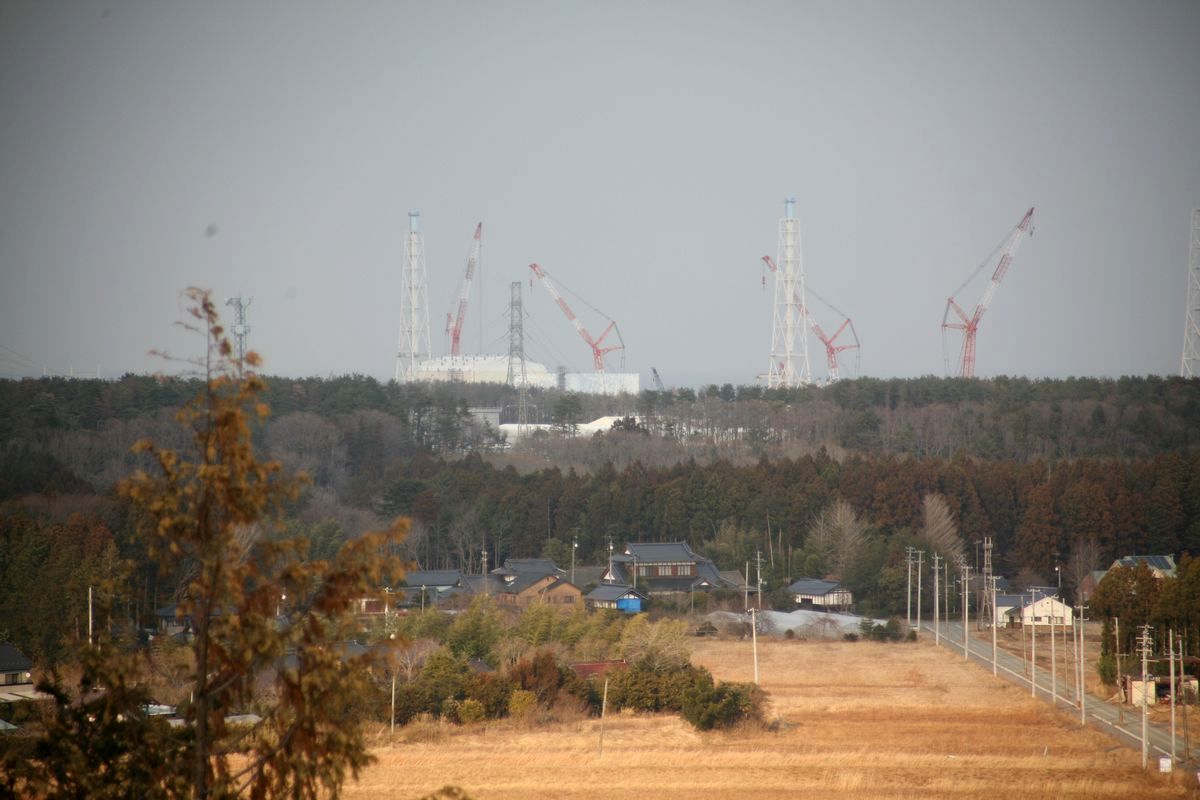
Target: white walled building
<point>1038,610</point>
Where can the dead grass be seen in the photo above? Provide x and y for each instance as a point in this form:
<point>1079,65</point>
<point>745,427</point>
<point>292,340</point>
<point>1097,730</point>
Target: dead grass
<point>851,720</point>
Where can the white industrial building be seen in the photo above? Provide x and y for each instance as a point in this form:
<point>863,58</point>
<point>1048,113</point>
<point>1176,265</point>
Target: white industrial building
<point>480,369</point>
<point>494,369</point>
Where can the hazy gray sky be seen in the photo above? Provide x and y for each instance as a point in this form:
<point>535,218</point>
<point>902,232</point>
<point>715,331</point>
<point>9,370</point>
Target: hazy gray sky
<point>640,152</point>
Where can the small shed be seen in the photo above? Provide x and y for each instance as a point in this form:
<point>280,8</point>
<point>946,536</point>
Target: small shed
<point>623,598</point>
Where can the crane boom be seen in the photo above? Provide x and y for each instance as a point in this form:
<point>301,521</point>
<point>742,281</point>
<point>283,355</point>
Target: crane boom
<point>831,348</point>
<point>598,352</point>
<point>454,324</point>
<point>969,324</point>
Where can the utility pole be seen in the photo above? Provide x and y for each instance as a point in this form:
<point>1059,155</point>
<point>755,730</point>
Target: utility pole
<point>758,568</point>
<point>1171,661</point>
<point>920,563</point>
<point>992,622</point>
<point>754,640</point>
<point>908,558</point>
<point>1145,642</point>
<point>937,617</point>
<point>966,610</point>
<point>574,547</point>
<point>1117,656</point>
<point>90,616</point>
<point>1033,646</point>
<point>1082,669</point>
<point>485,570</point>
<point>1183,679</point>
<point>987,608</point>
<point>1053,657</point>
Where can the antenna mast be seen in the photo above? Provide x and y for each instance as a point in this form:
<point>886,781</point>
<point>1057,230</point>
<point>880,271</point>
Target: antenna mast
<point>414,305</point>
<point>1190,367</point>
<point>789,366</point>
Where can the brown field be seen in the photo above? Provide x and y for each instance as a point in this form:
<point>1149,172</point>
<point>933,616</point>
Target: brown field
<point>854,720</point>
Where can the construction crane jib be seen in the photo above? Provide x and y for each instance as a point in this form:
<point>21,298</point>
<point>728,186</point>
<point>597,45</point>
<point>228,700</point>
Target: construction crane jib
<point>969,324</point>
<point>598,352</point>
<point>454,322</point>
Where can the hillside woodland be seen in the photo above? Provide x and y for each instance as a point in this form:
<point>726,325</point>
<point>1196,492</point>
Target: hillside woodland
<point>1063,475</point>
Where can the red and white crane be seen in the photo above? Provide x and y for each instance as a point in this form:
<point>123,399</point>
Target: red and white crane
<point>969,325</point>
<point>454,322</point>
<point>832,349</point>
<point>598,352</point>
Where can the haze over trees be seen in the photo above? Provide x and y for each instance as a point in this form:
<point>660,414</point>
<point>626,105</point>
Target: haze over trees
<point>1067,474</point>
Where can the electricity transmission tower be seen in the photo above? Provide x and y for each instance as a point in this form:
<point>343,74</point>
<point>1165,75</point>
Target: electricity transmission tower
<point>517,375</point>
<point>789,366</point>
<point>987,608</point>
<point>1191,325</point>
<point>414,305</point>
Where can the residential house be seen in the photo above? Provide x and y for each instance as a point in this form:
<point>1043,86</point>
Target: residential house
<point>16,677</point>
<point>1039,610</point>
<point>525,581</point>
<point>15,668</point>
<point>815,593</point>
<point>431,586</point>
<point>618,596</point>
<point>1160,566</point>
<point>665,568</point>
<point>527,589</point>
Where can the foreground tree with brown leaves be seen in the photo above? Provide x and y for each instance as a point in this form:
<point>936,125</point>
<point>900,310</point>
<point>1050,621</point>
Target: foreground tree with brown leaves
<point>268,627</point>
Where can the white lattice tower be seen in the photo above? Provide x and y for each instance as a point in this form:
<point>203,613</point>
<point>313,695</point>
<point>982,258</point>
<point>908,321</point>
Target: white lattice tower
<point>414,304</point>
<point>1190,367</point>
<point>240,329</point>
<point>789,365</point>
<point>517,375</point>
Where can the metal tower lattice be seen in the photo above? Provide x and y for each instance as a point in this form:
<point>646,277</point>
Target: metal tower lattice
<point>240,328</point>
<point>517,375</point>
<point>414,305</point>
<point>789,365</point>
<point>1190,368</point>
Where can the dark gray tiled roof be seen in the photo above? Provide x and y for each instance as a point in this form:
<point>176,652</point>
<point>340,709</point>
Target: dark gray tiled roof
<point>613,591</point>
<point>654,552</point>
<point>432,577</point>
<point>813,586</point>
<point>13,660</point>
<point>539,566</point>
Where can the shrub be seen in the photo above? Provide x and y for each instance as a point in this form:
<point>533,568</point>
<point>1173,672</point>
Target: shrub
<point>722,706</point>
<point>646,687</point>
<point>491,691</point>
<point>521,703</point>
<point>540,675</point>
<point>471,710</point>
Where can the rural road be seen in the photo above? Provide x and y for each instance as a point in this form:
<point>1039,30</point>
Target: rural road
<point>1100,713</point>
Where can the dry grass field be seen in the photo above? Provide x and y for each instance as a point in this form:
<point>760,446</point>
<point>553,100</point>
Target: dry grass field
<point>853,720</point>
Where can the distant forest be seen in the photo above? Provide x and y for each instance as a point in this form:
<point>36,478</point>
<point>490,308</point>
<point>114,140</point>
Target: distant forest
<point>1063,475</point>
